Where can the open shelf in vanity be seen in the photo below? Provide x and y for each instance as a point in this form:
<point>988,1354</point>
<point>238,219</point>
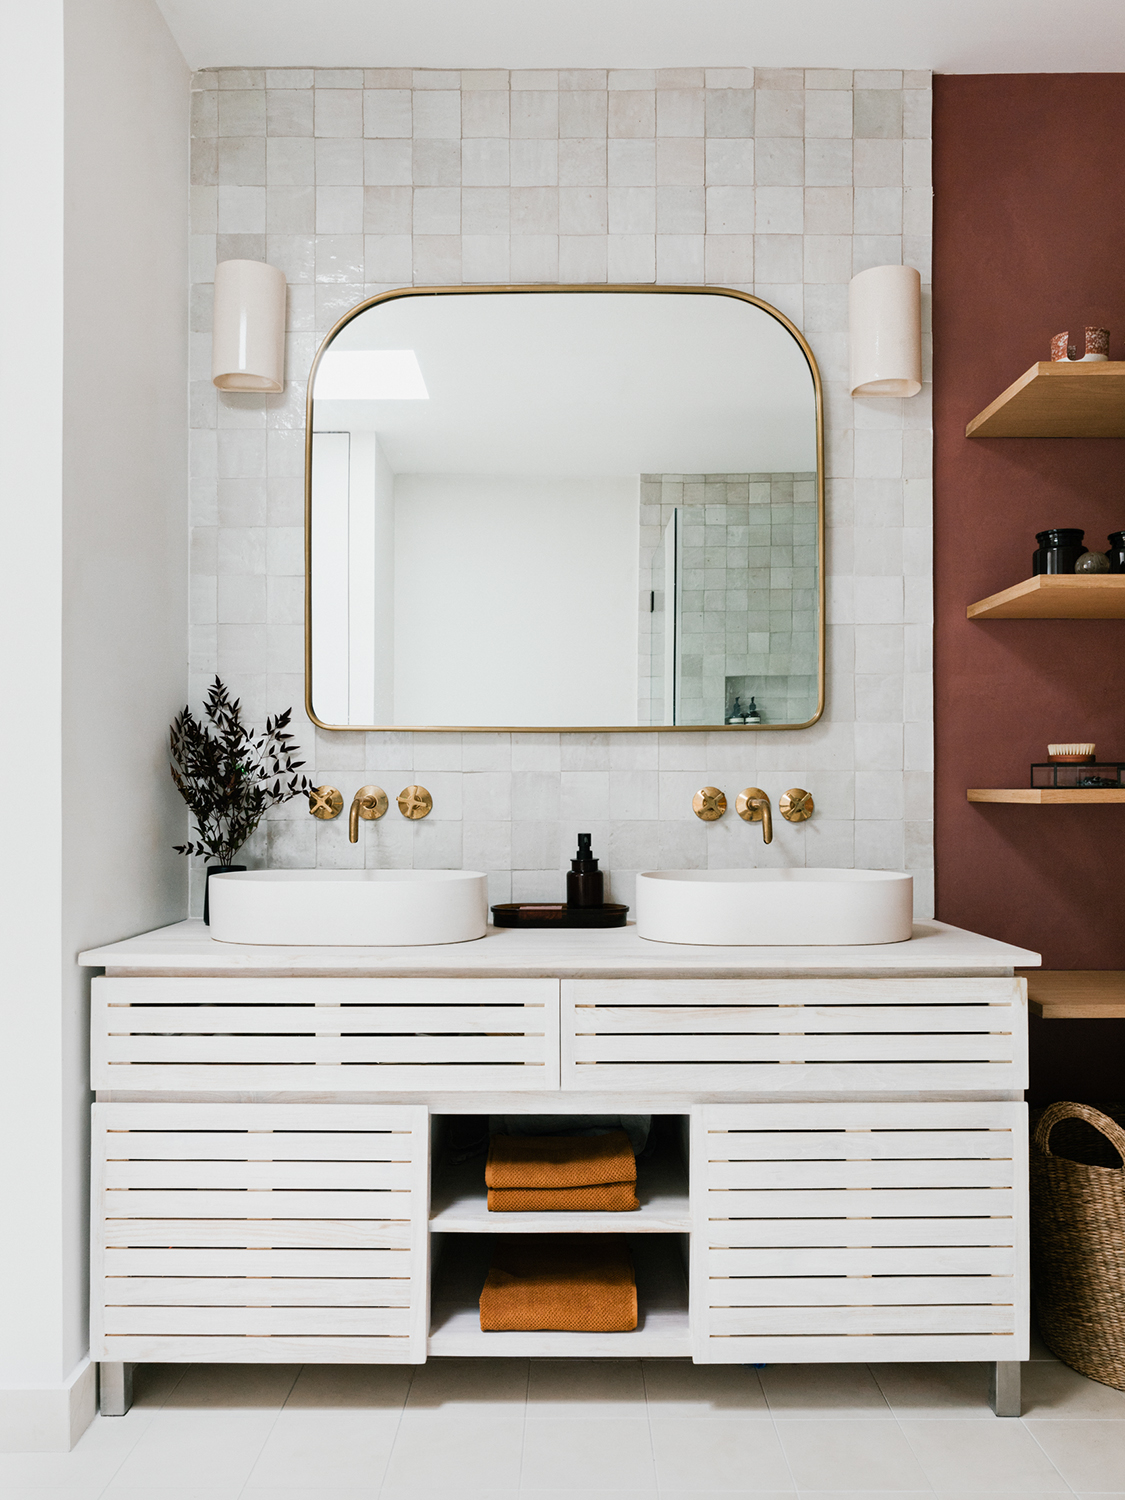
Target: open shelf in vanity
<point>459,1204</point>
<point>663,1329</point>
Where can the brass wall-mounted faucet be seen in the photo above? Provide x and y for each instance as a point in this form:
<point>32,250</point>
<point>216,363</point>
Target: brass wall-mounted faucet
<point>753,806</point>
<point>369,802</point>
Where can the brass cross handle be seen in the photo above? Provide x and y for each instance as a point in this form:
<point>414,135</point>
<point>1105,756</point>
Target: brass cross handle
<point>709,804</point>
<point>325,802</point>
<point>414,802</point>
<point>796,805</point>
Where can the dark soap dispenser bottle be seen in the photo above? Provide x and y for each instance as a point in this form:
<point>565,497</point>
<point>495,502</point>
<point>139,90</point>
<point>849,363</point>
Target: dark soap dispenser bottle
<point>584,882</point>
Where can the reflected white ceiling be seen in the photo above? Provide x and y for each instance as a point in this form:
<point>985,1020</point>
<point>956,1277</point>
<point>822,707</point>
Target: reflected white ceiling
<point>949,36</point>
<point>597,383</point>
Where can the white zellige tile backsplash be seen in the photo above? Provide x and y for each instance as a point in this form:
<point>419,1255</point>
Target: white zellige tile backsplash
<point>783,183</point>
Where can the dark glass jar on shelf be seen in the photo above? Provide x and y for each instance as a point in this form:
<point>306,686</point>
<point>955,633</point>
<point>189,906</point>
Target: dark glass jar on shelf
<point>1116,553</point>
<point>1059,549</point>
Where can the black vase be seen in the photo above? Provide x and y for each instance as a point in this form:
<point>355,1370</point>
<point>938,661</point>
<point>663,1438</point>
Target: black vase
<point>215,870</point>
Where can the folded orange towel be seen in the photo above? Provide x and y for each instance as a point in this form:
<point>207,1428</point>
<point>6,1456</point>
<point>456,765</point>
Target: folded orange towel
<point>559,1161</point>
<point>571,1283</point>
<point>606,1197</point>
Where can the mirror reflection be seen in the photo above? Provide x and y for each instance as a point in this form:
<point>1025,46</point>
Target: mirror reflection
<point>564,509</point>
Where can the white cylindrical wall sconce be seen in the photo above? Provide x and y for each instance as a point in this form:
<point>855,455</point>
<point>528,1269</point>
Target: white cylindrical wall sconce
<point>248,327</point>
<point>885,325</point>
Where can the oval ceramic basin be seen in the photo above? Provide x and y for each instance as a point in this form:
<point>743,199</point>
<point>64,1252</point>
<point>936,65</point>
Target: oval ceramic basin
<point>376,908</point>
<point>775,907</point>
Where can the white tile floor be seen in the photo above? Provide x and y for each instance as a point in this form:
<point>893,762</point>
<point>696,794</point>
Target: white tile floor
<point>600,1430</point>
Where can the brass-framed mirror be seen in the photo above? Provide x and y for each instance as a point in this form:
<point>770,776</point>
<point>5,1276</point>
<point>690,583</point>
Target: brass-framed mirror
<point>552,508</point>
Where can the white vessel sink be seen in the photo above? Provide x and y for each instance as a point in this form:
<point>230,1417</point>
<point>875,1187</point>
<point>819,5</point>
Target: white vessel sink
<point>369,908</point>
<point>774,907</point>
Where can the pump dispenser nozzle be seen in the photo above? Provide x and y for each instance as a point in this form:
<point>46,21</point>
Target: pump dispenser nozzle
<point>585,884</point>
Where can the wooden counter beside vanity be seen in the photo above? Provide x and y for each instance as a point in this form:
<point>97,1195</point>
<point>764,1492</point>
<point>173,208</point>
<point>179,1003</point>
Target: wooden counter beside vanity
<point>844,1177</point>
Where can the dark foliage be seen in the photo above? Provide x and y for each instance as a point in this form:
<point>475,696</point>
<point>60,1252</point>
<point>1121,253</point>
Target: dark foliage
<point>229,775</point>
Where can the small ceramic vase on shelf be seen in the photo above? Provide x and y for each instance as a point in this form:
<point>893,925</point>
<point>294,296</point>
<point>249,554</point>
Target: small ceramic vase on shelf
<point>1092,562</point>
<point>1097,347</point>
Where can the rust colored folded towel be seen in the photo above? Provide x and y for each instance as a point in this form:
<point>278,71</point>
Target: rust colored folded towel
<point>559,1161</point>
<point>566,1283</point>
<point>607,1197</point>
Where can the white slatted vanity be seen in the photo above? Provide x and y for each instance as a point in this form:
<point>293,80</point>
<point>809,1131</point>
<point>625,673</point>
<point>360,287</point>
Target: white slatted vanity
<point>844,1177</point>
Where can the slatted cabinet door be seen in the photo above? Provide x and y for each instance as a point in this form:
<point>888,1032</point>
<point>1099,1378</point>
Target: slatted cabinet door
<point>260,1232</point>
<point>324,1035</point>
<point>824,1232</point>
<point>809,1036</point>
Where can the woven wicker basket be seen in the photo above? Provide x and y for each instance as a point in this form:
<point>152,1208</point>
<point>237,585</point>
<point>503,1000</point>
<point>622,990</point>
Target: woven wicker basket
<point>1078,1249</point>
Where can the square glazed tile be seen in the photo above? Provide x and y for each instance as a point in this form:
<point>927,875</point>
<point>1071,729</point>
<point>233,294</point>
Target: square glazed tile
<point>460,1385</point>
<point>676,1388</point>
<point>582,1454</point>
<point>725,1453</point>
<point>580,1389</point>
<point>814,1390</point>
<point>435,1449</point>
<point>939,1390</point>
<point>327,1447</point>
<point>1089,1455</point>
<point>846,1454</point>
<point>960,1453</point>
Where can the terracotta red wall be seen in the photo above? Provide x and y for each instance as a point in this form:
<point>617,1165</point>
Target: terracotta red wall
<point>1029,239</point>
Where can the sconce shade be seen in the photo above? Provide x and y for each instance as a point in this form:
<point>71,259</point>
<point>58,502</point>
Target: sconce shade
<point>885,324</point>
<point>248,327</point>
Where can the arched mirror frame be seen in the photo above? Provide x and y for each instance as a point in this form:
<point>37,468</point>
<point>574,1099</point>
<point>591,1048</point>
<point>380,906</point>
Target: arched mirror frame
<point>531,287</point>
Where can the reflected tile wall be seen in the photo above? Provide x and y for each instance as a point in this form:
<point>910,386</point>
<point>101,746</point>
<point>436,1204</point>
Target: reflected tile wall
<point>780,182</point>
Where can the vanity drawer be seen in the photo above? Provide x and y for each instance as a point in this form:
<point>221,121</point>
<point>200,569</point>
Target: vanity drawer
<point>255,1232</point>
<point>323,1035</point>
<point>859,1231</point>
<point>790,1035</point>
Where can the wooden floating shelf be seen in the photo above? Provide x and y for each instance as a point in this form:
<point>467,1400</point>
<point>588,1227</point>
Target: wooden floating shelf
<point>1058,399</point>
<point>1076,994</point>
<point>1044,796</point>
<point>1056,596</point>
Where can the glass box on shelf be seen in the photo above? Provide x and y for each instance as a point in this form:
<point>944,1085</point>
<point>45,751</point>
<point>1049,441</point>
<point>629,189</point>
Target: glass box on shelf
<point>1086,774</point>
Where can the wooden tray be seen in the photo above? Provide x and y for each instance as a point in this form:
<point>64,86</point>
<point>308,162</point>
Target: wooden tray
<point>557,914</point>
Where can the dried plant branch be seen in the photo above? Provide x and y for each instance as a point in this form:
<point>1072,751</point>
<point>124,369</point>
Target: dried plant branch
<point>229,775</point>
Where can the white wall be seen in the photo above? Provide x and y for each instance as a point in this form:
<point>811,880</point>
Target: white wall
<point>97,594</point>
<point>516,600</point>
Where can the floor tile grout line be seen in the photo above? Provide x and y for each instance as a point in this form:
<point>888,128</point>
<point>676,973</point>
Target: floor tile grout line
<point>1069,1487</point>
<point>523,1427</point>
<point>269,1432</point>
<point>903,1433</point>
<point>128,1452</point>
<point>398,1428</point>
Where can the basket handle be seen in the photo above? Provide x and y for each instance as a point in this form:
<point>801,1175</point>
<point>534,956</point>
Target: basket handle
<point>1066,1111</point>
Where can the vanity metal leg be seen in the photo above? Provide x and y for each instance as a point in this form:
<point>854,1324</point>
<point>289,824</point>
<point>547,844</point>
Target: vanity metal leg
<point>1004,1388</point>
<point>116,1388</point>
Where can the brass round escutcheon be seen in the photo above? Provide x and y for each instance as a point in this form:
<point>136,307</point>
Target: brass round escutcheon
<point>796,805</point>
<point>709,804</point>
<point>414,802</point>
<point>372,802</point>
<point>749,804</point>
<point>325,802</point>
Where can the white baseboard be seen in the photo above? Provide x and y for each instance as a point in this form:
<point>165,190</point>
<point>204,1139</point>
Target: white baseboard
<point>50,1419</point>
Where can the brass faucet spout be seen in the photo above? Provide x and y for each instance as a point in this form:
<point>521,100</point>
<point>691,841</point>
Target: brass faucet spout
<point>369,802</point>
<point>753,806</point>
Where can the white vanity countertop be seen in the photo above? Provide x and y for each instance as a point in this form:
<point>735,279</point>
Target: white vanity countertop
<point>574,953</point>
